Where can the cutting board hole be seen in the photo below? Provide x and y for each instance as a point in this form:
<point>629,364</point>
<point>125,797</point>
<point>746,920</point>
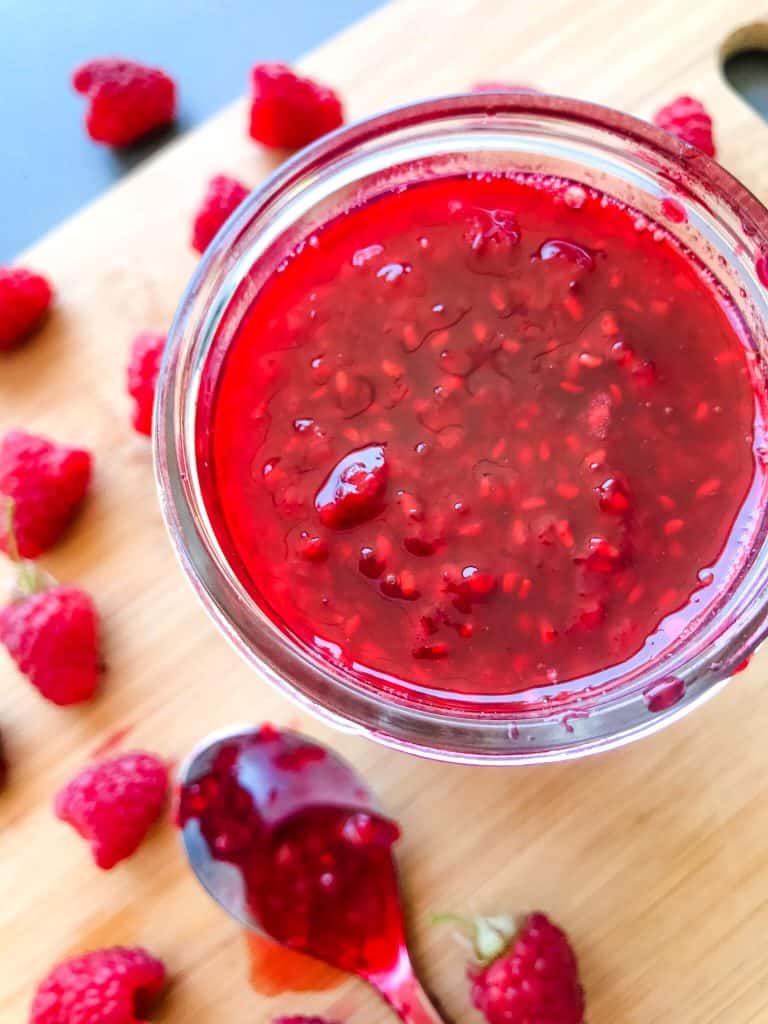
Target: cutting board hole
<point>745,65</point>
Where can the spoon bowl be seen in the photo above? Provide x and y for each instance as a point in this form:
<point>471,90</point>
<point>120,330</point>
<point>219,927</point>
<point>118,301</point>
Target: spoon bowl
<point>336,785</point>
<point>273,820</point>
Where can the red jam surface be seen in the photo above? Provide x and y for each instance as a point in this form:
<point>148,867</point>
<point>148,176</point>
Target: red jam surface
<point>319,877</point>
<point>483,434</point>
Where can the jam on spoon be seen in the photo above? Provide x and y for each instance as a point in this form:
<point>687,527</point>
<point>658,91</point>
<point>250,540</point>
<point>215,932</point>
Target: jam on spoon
<point>288,839</point>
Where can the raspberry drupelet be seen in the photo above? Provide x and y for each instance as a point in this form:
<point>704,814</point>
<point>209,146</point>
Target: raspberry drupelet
<point>106,986</point>
<point>42,486</point>
<point>126,100</point>
<point>524,970</point>
<point>25,298</point>
<point>52,634</point>
<point>222,197</point>
<point>688,119</point>
<point>112,804</point>
<point>289,111</point>
<point>144,360</point>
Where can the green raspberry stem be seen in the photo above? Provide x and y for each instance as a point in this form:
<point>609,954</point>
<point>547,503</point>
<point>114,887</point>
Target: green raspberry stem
<point>29,578</point>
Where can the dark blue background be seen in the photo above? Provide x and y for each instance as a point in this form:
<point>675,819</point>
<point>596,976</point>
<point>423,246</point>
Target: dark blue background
<point>48,166</point>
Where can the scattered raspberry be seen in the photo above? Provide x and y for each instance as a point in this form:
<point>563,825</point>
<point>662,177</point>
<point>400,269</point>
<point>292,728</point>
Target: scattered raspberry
<point>127,100</point>
<point>300,1020</point>
<point>502,87</point>
<point>288,111</point>
<point>113,803</point>
<point>526,972</point>
<point>686,118</point>
<point>106,986</point>
<point>222,198</point>
<point>43,483</point>
<point>761,267</point>
<point>24,301</point>
<point>143,368</point>
<point>52,635</point>
<point>3,764</point>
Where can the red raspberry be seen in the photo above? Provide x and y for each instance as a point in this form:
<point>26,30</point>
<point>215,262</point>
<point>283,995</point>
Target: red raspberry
<point>106,986</point>
<point>503,87</point>
<point>113,804</point>
<point>300,1020</point>
<point>3,764</point>
<point>143,368</point>
<point>24,301</point>
<point>686,118</point>
<point>222,197</point>
<point>127,100</point>
<point>52,635</point>
<point>287,111</point>
<point>526,972</point>
<point>43,484</point>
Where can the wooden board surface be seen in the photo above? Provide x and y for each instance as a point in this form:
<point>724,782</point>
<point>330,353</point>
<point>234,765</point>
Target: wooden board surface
<point>654,857</point>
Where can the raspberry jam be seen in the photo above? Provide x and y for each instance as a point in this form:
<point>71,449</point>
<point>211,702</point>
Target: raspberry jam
<point>484,434</point>
<point>273,969</point>
<point>315,858</point>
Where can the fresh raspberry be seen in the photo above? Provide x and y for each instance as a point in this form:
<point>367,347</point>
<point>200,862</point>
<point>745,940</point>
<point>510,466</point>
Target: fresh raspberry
<point>113,804</point>
<point>3,764</point>
<point>686,118</point>
<point>222,197</point>
<point>143,368</point>
<point>288,111</point>
<point>106,986</point>
<point>526,972</point>
<point>300,1020</point>
<point>24,301</point>
<point>502,87</point>
<point>43,484</point>
<point>127,100</point>
<point>52,635</point>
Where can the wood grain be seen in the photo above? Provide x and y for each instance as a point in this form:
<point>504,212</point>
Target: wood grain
<point>654,857</point>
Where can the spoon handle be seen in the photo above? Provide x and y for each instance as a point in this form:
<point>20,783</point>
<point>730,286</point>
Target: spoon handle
<point>408,999</point>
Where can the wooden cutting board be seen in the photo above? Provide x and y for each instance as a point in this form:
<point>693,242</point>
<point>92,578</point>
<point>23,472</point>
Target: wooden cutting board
<point>654,857</point>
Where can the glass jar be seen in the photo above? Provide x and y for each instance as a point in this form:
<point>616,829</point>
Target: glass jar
<point>675,185</point>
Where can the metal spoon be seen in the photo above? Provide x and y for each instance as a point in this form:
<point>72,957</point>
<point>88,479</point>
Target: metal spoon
<point>325,780</point>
